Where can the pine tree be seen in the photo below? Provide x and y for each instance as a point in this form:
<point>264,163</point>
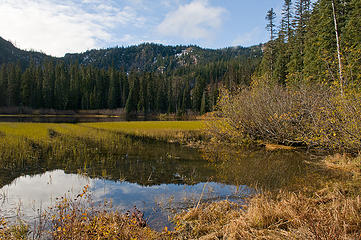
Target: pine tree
<point>186,101</point>
<point>287,16</point>
<point>13,85</point>
<point>297,42</point>
<point>125,89</point>
<point>149,104</point>
<point>113,92</point>
<point>133,97</point>
<point>26,87</point>
<point>48,84</point>
<point>142,95</point>
<point>204,104</point>
<point>320,58</point>
<point>352,42</point>
<point>270,17</point>
<point>3,85</point>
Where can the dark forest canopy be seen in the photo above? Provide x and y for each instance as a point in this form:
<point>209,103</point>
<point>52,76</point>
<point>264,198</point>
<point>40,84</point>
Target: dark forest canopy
<point>316,43</point>
<point>144,78</point>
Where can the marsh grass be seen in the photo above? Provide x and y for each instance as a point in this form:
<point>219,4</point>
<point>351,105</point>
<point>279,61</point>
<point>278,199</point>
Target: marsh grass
<point>29,145</point>
<point>284,215</point>
<point>344,163</point>
<point>184,132</point>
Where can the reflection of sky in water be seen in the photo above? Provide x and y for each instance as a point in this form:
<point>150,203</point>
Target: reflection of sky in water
<point>39,192</point>
<point>30,193</point>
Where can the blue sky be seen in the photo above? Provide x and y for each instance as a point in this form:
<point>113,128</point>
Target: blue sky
<point>58,27</point>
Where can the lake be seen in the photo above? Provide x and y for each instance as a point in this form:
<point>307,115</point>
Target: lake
<point>158,178</point>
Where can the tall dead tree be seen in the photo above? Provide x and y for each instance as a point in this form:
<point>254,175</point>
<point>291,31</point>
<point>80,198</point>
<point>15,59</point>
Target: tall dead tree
<point>338,48</point>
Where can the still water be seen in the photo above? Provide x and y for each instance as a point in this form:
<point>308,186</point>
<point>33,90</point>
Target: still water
<point>158,178</point>
<point>70,118</point>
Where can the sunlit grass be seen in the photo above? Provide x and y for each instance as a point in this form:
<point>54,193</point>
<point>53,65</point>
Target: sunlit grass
<point>148,126</point>
<point>34,131</point>
<point>171,131</point>
<point>41,130</point>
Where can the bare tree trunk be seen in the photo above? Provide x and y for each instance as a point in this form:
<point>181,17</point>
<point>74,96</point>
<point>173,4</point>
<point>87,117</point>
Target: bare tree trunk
<point>338,48</point>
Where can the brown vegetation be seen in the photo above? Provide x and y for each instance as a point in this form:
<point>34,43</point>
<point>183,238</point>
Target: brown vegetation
<point>283,216</point>
<point>314,117</point>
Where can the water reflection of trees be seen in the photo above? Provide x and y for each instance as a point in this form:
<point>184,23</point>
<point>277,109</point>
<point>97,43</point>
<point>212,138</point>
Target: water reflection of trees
<point>115,158</point>
<point>259,168</point>
<point>112,156</point>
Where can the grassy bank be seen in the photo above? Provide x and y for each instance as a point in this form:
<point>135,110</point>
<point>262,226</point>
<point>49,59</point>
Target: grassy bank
<point>44,132</point>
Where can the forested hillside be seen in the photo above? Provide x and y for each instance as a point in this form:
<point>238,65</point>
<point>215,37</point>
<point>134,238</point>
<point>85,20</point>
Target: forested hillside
<point>152,57</point>
<point>143,79</point>
<point>9,53</point>
<point>306,90</point>
<point>318,43</point>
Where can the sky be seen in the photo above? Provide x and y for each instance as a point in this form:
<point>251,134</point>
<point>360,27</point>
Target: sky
<point>56,27</point>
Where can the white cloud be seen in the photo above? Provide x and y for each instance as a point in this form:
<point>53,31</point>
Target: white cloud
<point>58,27</point>
<point>249,38</point>
<point>193,21</point>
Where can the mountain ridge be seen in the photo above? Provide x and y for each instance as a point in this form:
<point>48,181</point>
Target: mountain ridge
<point>149,57</point>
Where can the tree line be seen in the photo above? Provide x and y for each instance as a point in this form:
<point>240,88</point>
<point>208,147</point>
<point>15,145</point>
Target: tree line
<point>72,86</point>
<point>314,43</point>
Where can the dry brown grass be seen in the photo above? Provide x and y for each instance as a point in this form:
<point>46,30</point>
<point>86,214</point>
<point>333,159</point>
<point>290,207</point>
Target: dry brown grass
<point>344,163</point>
<point>284,216</point>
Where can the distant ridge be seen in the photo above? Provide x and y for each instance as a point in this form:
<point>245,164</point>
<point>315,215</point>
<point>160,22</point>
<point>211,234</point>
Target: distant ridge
<point>11,54</point>
<point>148,57</point>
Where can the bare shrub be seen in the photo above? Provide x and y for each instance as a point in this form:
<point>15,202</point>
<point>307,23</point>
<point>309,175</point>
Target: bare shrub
<point>313,116</point>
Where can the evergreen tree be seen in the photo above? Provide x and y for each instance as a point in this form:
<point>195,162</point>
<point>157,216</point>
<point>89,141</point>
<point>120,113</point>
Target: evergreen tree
<point>204,104</point>
<point>26,87</point>
<point>48,84</point>
<point>287,16</point>
<point>3,85</point>
<point>270,17</point>
<point>186,101</point>
<point>114,89</point>
<point>352,42</point>
<point>297,43</point>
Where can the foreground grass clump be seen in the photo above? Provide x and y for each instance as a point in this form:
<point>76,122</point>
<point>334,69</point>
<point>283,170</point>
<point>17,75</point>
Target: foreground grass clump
<point>330,215</point>
<point>325,215</point>
<point>13,232</point>
<point>79,219</point>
